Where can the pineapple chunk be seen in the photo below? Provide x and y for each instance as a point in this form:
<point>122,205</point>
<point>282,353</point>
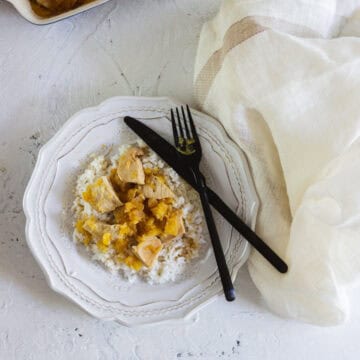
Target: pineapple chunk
<point>154,231</point>
<point>101,195</point>
<point>152,202</point>
<point>130,167</point>
<point>120,246</point>
<point>120,215</point>
<point>160,210</point>
<point>133,263</point>
<point>174,224</point>
<point>102,247</point>
<point>148,250</point>
<point>151,171</point>
<point>132,193</point>
<point>86,237</point>
<point>106,239</point>
<point>135,210</point>
<point>150,228</point>
<point>135,204</point>
<point>125,230</point>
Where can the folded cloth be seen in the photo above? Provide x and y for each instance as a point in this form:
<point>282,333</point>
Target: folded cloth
<point>283,77</point>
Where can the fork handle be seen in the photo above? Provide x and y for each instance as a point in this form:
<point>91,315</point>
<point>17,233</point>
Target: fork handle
<point>226,281</point>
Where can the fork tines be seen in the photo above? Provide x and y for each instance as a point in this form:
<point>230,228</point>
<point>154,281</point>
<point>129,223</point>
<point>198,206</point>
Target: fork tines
<point>183,127</point>
<point>189,153</point>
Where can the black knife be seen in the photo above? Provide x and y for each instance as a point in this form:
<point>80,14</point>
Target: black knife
<point>168,153</point>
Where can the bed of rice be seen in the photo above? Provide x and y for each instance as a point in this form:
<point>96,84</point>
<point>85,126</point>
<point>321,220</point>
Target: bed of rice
<point>171,264</point>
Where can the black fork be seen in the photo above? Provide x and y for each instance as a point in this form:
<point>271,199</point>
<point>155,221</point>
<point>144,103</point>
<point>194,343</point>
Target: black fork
<point>189,150</point>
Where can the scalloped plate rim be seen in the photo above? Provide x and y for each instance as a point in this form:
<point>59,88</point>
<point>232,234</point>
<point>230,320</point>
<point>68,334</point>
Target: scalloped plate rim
<point>30,219</point>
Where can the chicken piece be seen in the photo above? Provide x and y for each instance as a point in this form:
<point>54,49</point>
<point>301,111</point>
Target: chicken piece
<point>97,229</point>
<point>166,239</point>
<point>148,250</point>
<point>102,196</point>
<point>156,189</point>
<point>174,225</point>
<point>121,187</point>
<point>130,168</point>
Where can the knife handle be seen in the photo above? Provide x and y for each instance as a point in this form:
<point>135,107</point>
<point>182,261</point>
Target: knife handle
<point>246,232</point>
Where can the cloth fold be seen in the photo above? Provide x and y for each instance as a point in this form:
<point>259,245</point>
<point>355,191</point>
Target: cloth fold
<point>284,79</point>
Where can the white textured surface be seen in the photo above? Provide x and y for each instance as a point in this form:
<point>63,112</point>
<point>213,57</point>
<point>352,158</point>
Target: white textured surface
<point>46,74</point>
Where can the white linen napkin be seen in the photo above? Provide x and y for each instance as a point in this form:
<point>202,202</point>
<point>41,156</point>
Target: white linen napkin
<point>283,77</point>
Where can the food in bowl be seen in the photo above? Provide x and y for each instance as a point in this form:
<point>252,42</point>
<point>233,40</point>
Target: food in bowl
<point>47,8</point>
<point>136,215</point>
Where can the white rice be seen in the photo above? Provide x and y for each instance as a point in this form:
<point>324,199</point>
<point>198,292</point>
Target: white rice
<point>171,264</point>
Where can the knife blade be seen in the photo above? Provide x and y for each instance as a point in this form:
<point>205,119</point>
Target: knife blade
<point>168,153</point>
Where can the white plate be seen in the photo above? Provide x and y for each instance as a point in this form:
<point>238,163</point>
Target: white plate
<point>25,10</point>
<point>69,269</point>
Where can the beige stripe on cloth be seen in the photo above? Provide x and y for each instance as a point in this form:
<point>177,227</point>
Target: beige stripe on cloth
<point>239,32</point>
